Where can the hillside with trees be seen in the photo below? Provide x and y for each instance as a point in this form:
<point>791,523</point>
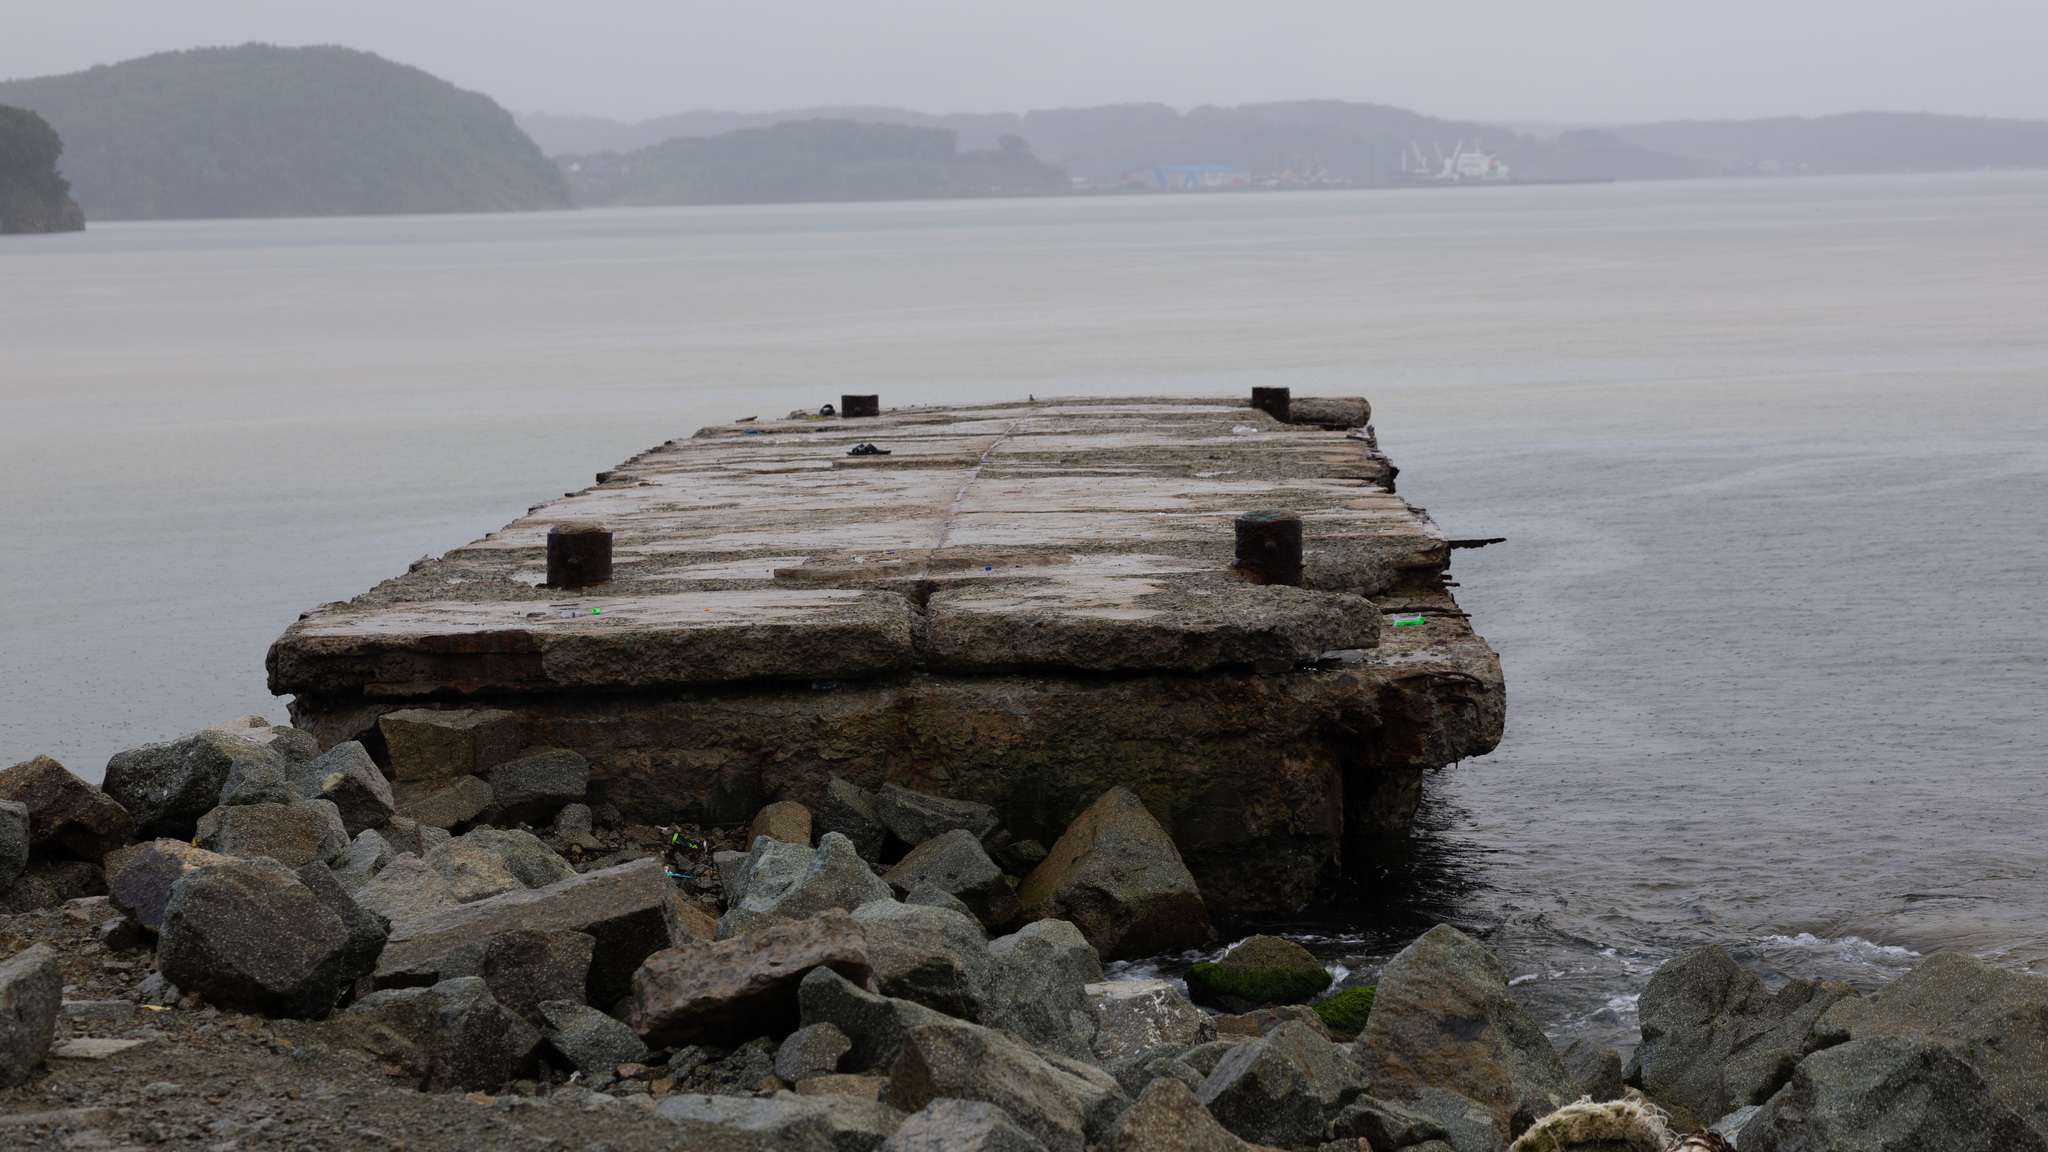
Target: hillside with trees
<point>1855,142</point>
<point>267,131</point>
<point>33,197</point>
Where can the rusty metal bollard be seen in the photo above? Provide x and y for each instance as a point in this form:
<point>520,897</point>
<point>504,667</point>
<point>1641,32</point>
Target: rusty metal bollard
<point>579,555</point>
<point>1272,401</point>
<point>860,405</point>
<point>1269,546</point>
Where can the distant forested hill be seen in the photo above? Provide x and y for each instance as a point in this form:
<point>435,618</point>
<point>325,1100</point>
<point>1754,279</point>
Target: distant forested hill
<point>265,131</point>
<point>33,197</point>
<point>1853,142</point>
<point>809,161</point>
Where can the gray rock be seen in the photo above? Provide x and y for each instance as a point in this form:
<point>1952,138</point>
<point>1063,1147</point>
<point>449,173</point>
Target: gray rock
<point>1134,1016</point>
<point>170,784</point>
<point>367,855</point>
<point>452,1035</point>
<point>346,775</point>
<point>924,895</point>
<point>1468,1125</point>
<point>31,990</point>
<point>14,841</point>
<point>334,843</point>
<point>526,969</point>
<point>929,956</point>
<point>786,1120</point>
<point>954,862</point>
<point>64,811</point>
<point>592,1041</point>
<point>1117,876</point>
<point>834,877</point>
<point>1203,1058</point>
<point>366,930</point>
<point>48,883</point>
<point>768,871</point>
<point>849,810</point>
<point>408,835</point>
<point>1715,1040</point>
<point>811,1051</point>
<point>721,992</point>
<point>1890,1093</point>
<point>1039,988</point>
<point>291,834</point>
<point>1168,1118</point>
<point>782,820</point>
<point>962,1061</point>
<point>572,818</point>
<point>251,935</point>
<point>1442,1018</point>
<point>406,889</point>
<point>259,780</point>
<point>442,803</point>
<point>915,817</point>
<point>733,868</point>
<point>154,989</point>
<point>1133,1073</point>
<point>539,781</point>
<point>1385,1124</point>
<point>1595,1068</point>
<point>489,861</point>
<point>947,1125</point>
<point>1283,1089</point>
<point>875,1024</point>
<point>426,744</point>
<point>1019,857</point>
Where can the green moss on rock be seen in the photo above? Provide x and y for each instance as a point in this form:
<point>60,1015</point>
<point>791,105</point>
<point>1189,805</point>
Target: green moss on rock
<point>1346,1012</point>
<point>1261,971</point>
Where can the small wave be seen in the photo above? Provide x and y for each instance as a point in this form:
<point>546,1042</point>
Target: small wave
<point>1848,949</point>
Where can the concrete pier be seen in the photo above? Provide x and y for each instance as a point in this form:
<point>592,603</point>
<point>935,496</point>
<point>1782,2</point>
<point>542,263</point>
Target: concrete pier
<point>1020,604</point>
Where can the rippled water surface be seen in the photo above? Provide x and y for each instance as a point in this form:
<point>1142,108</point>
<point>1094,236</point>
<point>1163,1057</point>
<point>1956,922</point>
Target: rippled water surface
<point>1772,458</point>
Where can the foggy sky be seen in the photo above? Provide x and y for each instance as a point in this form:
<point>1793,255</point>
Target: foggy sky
<point>1501,60</point>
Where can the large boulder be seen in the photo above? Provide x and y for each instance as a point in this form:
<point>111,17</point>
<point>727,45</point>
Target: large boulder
<point>346,775</point>
<point>915,817</point>
<point>875,1025</point>
<point>1442,1018</point>
<point>1059,1105</point>
<point>450,1035</point>
<point>1135,1016</point>
<point>291,834</point>
<point>427,744</point>
<point>254,936</point>
<point>850,810</point>
<point>784,820</point>
<point>1039,986</point>
<point>1168,1118</point>
<point>1117,876</point>
<point>953,862</point>
<point>778,865</point>
<point>442,803</point>
<point>14,841</point>
<point>168,785</point>
<point>406,889</point>
<point>31,990</point>
<point>1714,1039</point>
<point>592,1041</point>
<point>1282,1089</point>
<point>486,862</point>
<point>259,780</point>
<point>526,969</point>
<point>947,1125</point>
<point>787,1120</point>
<point>537,782</point>
<point>834,876</point>
<point>728,990</point>
<point>140,877</point>
<point>1892,1093</point>
<point>65,814</point>
<point>629,909</point>
<point>928,955</point>
<point>1259,971</point>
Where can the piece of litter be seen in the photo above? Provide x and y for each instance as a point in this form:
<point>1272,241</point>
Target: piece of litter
<point>1406,621</point>
<point>93,1048</point>
<point>866,450</point>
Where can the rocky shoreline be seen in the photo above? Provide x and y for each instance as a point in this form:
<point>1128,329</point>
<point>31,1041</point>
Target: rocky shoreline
<point>242,941</point>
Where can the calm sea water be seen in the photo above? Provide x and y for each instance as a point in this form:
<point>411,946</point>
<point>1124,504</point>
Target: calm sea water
<point>1772,458</point>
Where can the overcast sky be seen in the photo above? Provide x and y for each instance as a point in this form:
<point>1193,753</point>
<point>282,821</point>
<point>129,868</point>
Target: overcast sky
<point>1512,60</point>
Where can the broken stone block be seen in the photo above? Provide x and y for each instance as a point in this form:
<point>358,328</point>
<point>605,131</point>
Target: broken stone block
<point>592,1041</point>
<point>14,841</point>
<point>1283,1089</point>
<point>1039,987</point>
<point>946,1125</point>
<point>1133,1016</point>
<point>572,819</point>
<point>367,855</point>
<point>777,864</point>
<point>929,956</point>
<point>141,876</point>
<point>833,877</point>
<point>1168,1118</point>
<point>723,992</point>
<point>786,1120</point>
<point>538,781</point>
<point>1117,876</point>
<point>65,814</point>
<point>450,1035</point>
<point>915,817</point>
<point>1019,857</point>
<point>366,930</point>
<point>251,935</point>
<point>291,834</point>
<point>1059,1106</point>
<point>426,744</point>
<point>169,784</point>
<point>526,969</point>
<point>926,896</point>
<point>810,1051</point>
<point>696,924</point>
<point>346,775</point>
<point>875,1024</point>
<point>31,990</point>
<point>408,835</point>
<point>48,883</point>
<point>784,820</point>
<point>258,780</point>
<point>849,810</point>
<point>474,872</point>
<point>629,909</point>
<point>953,862</point>
<point>406,889</point>
<point>442,803</point>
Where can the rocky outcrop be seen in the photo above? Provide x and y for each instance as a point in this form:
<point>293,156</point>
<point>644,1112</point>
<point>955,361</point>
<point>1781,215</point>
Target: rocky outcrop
<point>291,834</point>
<point>487,862</point>
<point>66,815</point>
<point>33,196</point>
<point>1116,875</point>
<point>442,803</point>
<point>405,890</point>
<point>745,986</point>
<point>787,881</point>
